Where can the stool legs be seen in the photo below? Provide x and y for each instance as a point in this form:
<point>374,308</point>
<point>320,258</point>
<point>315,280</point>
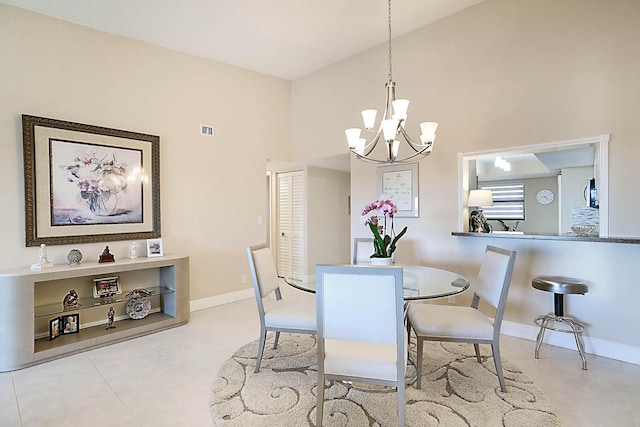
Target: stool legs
<point>576,330</point>
<point>543,326</point>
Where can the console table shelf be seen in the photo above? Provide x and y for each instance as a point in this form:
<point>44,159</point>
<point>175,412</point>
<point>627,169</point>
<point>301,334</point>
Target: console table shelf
<point>87,303</point>
<point>31,298</point>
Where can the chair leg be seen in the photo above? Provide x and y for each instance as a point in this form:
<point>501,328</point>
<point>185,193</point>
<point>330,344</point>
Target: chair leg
<point>320,400</point>
<point>476,346</point>
<point>401,404</point>
<point>275,342</point>
<point>263,338</point>
<point>419,362</point>
<point>495,348</point>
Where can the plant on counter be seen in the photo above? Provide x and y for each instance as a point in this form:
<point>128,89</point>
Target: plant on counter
<point>378,215</point>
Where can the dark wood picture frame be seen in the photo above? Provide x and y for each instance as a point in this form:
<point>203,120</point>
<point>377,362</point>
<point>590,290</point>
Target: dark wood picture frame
<point>67,202</point>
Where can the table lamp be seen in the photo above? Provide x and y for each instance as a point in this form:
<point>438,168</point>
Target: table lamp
<point>477,222</point>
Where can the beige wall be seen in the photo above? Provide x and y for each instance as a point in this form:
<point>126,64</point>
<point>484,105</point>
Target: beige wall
<point>328,220</point>
<point>538,218</point>
<point>213,189</point>
<point>500,74</point>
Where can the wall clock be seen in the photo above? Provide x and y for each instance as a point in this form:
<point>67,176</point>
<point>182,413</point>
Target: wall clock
<point>544,197</point>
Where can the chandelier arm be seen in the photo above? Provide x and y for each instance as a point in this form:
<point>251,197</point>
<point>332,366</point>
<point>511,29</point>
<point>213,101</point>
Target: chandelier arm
<point>413,145</point>
<point>424,152</point>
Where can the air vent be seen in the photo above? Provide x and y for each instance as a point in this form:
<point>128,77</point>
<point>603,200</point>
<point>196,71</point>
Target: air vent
<point>206,130</point>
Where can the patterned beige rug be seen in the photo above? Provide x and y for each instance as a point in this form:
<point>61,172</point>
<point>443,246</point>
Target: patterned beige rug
<point>456,391</point>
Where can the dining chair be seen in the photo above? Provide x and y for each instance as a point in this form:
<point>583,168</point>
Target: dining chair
<point>294,315</point>
<point>362,250</point>
<point>468,324</point>
<point>361,335</point>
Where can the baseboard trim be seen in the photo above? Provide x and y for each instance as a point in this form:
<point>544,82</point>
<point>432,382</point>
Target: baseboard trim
<point>217,300</point>
<point>595,346</point>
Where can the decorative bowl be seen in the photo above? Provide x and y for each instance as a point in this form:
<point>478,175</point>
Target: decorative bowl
<point>586,230</point>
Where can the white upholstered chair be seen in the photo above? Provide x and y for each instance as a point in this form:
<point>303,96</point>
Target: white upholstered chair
<point>361,335</point>
<point>297,315</point>
<point>467,324</point>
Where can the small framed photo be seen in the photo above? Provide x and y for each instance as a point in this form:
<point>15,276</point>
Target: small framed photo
<point>154,247</point>
<point>70,324</point>
<point>106,287</point>
<point>54,328</point>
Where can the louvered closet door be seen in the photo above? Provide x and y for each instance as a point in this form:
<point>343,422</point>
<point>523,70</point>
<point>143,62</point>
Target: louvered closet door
<point>290,220</point>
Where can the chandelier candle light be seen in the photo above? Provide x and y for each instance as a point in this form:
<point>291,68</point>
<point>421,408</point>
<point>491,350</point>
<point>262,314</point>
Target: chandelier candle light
<point>391,127</point>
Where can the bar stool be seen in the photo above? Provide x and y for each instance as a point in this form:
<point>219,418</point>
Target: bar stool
<point>560,286</point>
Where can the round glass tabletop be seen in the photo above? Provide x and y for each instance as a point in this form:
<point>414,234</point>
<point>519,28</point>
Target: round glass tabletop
<point>419,282</point>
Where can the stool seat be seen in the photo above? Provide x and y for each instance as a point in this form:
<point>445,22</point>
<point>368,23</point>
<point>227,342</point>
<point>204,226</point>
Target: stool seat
<point>560,285</point>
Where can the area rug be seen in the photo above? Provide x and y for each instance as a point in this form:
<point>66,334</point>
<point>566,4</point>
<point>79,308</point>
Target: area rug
<point>456,391</point>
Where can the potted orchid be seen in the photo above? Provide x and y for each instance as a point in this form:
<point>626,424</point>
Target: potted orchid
<point>378,216</point>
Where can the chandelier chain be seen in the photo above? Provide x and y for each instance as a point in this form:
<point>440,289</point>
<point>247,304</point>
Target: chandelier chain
<point>390,73</point>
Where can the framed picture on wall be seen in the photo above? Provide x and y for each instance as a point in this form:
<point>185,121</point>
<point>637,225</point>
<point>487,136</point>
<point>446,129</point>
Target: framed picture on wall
<point>86,183</point>
<point>399,183</point>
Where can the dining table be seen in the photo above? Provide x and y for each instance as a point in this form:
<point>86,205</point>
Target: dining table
<point>419,282</point>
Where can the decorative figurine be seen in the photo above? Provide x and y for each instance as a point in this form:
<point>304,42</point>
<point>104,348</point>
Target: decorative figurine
<point>43,261</point>
<point>111,314</point>
<point>139,305</point>
<point>70,301</point>
<point>133,250</point>
<point>106,256</point>
<point>74,257</point>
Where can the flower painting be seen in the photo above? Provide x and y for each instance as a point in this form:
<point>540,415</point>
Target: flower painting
<point>95,184</point>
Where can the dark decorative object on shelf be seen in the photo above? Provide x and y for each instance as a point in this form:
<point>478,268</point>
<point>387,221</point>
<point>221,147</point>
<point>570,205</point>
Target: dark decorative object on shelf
<point>478,223</point>
<point>111,315</point>
<point>74,257</point>
<point>70,301</point>
<point>506,227</point>
<point>106,256</point>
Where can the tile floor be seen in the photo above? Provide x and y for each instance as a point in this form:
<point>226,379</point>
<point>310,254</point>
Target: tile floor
<point>163,379</point>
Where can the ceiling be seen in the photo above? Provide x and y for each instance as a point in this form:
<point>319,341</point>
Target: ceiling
<point>536,165</point>
<point>282,38</point>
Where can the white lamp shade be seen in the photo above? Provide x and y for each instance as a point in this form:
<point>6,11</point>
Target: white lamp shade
<point>389,128</point>
<point>400,107</point>
<point>369,118</point>
<point>353,135</point>
<point>394,148</point>
<point>428,129</point>
<point>359,148</point>
<point>426,140</point>
<point>480,198</point>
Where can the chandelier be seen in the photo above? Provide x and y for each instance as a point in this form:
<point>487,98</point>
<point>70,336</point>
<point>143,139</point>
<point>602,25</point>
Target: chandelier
<point>391,128</point>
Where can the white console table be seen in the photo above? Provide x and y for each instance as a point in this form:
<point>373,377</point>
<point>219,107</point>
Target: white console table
<point>29,299</point>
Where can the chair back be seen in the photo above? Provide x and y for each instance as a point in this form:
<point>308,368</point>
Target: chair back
<point>363,249</point>
<point>494,278</point>
<point>360,303</point>
<point>263,270</point>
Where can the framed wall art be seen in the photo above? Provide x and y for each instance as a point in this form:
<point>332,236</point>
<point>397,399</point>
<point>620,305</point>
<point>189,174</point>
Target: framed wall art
<point>399,183</point>
<point>86,183</point>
